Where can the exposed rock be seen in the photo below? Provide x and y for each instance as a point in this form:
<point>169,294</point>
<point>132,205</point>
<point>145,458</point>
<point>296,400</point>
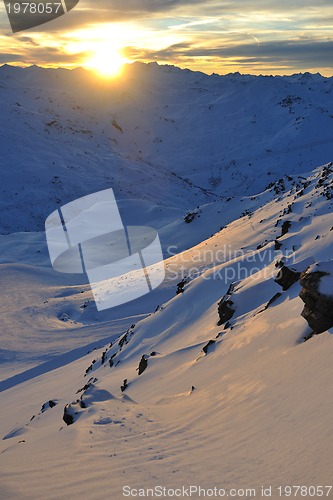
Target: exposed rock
<point>273,299</point>
<point>225,311</point>
<point>181,286</point>
<point>103,357</point>
<point>111,359</point>
<point>90,367</point>
<point>288,210</point>
<point>224,307</point>
<point>285,227</point>
<point>126,337</point>
<point>262,245</point>
<point>318,309</point>
<point>190,216</point>
<point>84,388</point>
<point>286,277</point>
<point>142,365</point>
<point>64,317</point>
<point>207,346</point>
<point>308,337</point>
<point>49,404</point>
<point>68,416</point>
<point>277,245</point>
<point>124,386</point>
<point>123,340</point>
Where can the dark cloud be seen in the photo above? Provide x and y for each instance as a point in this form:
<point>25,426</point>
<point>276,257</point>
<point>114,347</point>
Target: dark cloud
<point>105,11</point>
<point>49,55</point>
<point>27,40</point>
<point>307,49</point>
<point>139,7</point>
<point>211,7</point>
<point>293,53</point>
<point>42,55</point>
<point>298,54</point>
<point>225,40</point>
<point>7,57</point>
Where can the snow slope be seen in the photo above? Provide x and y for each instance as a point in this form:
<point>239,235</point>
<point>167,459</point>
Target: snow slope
<point>251,408</point>
<point>239,403</point>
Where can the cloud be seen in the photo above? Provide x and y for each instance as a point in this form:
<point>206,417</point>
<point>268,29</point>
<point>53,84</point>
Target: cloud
<point>8,57</point>
<point>299,54</point>
<point>263,35</point>
<point>139,7</point>
<point>281,49</point>
<point>104,11</point>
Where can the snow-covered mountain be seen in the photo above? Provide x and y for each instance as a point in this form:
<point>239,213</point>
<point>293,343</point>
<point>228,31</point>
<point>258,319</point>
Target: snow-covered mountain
<point>153,135</point>
<point>222,376</point>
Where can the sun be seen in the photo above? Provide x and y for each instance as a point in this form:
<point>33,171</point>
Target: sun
<point>107,61</point>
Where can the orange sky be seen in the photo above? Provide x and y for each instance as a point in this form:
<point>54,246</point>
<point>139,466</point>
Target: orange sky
<point>269,37</point>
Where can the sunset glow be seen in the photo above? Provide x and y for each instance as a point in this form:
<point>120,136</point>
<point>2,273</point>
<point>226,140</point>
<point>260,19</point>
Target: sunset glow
<point>259,38</point>
<point>106,61</point>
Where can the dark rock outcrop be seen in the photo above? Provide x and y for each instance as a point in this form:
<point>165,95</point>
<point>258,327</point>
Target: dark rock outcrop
<point>49,404</point>
<point>206,348</point>
<point>103,357</point>
<point>285,228</point>
<point>287,277</point>
<point>181,286</point>
<point>142,365</point>
<point>277,245</point>
<point>225,311</point>
<point>224,307</point>
<point>111,359</point>
<point>68,416</point>
<point>190,216</point>
<point>272,300</point>
<point>124,386</point>
<point>318,309</point>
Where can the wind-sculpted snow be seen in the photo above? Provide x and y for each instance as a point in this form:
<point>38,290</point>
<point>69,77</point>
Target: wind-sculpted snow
<point>254,283</point>
<point>208,379</point>
<point>178,380</point>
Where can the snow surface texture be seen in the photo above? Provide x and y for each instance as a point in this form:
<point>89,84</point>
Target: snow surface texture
<point>240,405</point>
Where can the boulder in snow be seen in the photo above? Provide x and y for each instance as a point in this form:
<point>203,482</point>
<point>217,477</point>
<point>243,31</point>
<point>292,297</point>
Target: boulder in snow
<point>287,277</point>
<point>317,295</point>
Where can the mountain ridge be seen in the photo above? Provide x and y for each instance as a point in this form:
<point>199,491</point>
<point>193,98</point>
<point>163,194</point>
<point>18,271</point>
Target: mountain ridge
<point>177,134</point>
